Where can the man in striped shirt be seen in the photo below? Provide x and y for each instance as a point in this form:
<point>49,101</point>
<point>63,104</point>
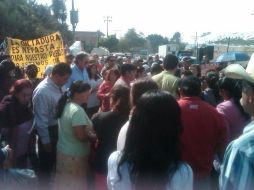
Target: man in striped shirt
<point>237,171</point>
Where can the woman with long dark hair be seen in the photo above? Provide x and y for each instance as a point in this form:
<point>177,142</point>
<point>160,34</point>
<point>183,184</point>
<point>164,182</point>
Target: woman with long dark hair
<point>236,118</point>
<point>107,126</point>
<point>75,131</point>
<point>151,158</point>
<point>95,80</point>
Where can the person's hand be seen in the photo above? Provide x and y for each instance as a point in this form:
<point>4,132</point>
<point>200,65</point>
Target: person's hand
<point>216,165</point>
<point>8,163</point>
<point>107,95</point>
<point>47,147</point>
<point>91,135</point>
<point>8,152</point>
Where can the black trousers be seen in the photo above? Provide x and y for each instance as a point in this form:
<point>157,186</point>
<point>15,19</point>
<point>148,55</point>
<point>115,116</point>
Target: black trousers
<point>47,160</point>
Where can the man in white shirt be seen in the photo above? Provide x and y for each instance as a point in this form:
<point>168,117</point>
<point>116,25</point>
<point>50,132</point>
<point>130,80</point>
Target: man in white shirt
<point>45,99</point>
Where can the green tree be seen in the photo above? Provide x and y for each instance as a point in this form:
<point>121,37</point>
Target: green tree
<point>154,41</point>
<point>59,10</point>
<point>132,41</point>
<point>111,42</point>
<point>27,20</point>
<point>176,38</point>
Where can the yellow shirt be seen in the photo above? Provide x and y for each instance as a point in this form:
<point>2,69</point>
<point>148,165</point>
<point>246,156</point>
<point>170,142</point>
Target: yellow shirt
<point>167,81</point>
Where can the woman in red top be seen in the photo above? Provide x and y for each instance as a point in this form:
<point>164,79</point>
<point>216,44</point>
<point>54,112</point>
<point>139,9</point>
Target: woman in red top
<point>103,93</point>
<point>16,118</point>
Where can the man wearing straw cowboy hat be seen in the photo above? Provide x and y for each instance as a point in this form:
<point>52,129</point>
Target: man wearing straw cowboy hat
<point>237,171</point>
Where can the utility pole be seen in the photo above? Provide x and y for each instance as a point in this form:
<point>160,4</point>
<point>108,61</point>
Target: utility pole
<point>228,43</point>
<point>107,19</point>
<point>74,18</point>
<point>98,38</point>
<point>73,24</point>
<point>196,43</point>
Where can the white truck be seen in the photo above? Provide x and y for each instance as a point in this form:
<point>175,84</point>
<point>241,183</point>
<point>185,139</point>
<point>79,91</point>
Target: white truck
<point>168,48</point>
<point>100,51</point>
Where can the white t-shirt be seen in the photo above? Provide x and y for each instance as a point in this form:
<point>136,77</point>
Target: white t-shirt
<point>93,100</point>
<point>181,180</point>
<point>122,136</point>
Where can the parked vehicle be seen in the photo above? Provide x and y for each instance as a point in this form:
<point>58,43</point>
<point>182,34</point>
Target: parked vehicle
<point>168,48</point>
<point>100,51</point>
<point>184,53</point>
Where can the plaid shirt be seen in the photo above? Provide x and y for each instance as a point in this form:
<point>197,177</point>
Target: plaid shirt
<point>237,172</point>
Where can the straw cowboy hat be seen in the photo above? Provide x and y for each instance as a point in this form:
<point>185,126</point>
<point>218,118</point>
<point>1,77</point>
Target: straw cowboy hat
<point>236,71</point>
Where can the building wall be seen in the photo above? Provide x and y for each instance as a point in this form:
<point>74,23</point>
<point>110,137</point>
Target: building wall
<point>90,38</point>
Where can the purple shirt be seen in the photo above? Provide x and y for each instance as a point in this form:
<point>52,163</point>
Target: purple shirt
<point>235,120</point>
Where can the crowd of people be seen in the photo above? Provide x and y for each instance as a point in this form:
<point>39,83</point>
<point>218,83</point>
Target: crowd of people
<point>109,123</point>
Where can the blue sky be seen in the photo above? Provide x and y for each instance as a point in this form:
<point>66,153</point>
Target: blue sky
<point>165,16</point>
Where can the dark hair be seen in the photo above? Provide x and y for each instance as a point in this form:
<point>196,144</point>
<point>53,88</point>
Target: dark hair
<point>127,68</point>
<point>170,62</point>
<point>80,56</point>
<point>61,69</point>
<point>31,71</point>
<point>190,86</point>
<point>5,67</point>
<point>197,66</point>
<point>141,86</point>
<point>109,57</point>
<point>4,57</point>
<point>19,85</point>
<point>233,90</point>
<point>152,147</point>
<point>138,62</point>
<point>19,72</point>
<point>89,71</point>
<point>120,99</point>
<point>140,69</point>
<point>119,60</point>
<point>186,73</point>
<point>76,87</point>
<point>212,79</point>
<point>69,55</point>
<point>109,72</point>
<point>92,61</point>
<point>231,86</point>
<point>156,69</point>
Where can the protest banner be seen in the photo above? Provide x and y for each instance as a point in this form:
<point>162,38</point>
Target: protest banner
<point>47,50</point>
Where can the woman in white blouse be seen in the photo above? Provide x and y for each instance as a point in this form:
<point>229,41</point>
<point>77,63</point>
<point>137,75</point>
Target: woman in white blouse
<point>151,158</point>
